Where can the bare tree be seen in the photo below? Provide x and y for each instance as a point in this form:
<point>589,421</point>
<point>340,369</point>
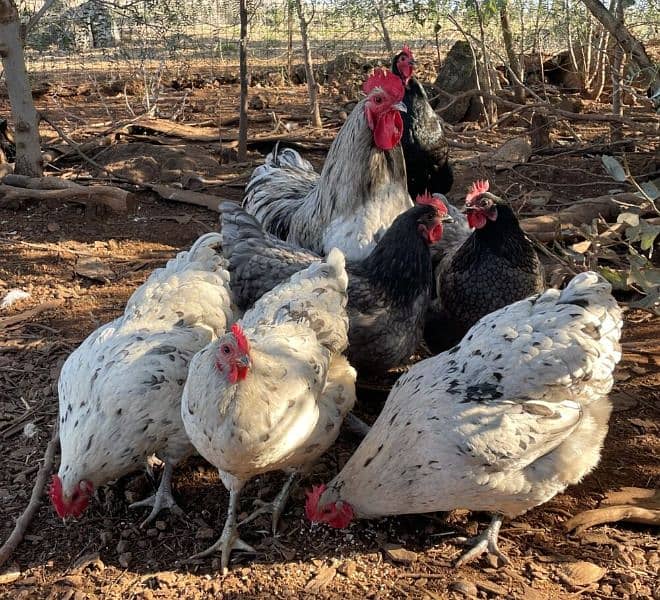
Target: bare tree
<point>379,5</point>
<point>243,69</point>
<point>631,45</point>
<point>26,137</point>
<point>315,112</point>
<point>617,76</point>
<point>514,63</point>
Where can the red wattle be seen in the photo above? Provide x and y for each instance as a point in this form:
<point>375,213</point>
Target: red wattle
<point>388,130</point>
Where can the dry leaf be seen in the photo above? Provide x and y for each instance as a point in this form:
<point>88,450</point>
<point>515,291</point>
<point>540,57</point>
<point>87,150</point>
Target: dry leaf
<point>10,575</point>
<point>581,247</point>
<point>581,573</point>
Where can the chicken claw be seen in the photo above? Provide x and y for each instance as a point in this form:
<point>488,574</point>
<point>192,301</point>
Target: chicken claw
<point>356,425</point>
<point>276,507</point>
<point>485,542</point>
<point>229,539</point>
<point>161,499</point>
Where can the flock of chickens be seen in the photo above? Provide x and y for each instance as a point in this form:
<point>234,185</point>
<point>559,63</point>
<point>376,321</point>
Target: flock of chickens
<point>245,348</point>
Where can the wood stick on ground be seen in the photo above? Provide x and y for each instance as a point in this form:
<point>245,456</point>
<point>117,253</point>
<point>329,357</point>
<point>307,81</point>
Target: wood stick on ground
<point>93,195</point>
<point>23,522</point>
<point>28,314</point>
<point>613,514</point>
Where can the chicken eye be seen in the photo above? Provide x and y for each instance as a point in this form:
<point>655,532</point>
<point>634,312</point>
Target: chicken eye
<point>226,349</point>
<point>378,99</point>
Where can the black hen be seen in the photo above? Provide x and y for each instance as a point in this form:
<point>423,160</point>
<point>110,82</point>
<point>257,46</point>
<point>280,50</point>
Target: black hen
<point>496,266</point>
<point>388,292</point>
<point>424,145</point>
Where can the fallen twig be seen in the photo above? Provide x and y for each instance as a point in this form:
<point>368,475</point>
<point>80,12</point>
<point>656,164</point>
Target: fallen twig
<point>28,314</point>
<point>612,514</point>
<point>23,522</point>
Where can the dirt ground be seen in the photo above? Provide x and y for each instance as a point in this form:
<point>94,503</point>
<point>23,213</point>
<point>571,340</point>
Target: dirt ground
<point>104,554</point>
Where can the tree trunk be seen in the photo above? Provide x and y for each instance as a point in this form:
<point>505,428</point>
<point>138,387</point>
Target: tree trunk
<point>490,106</point>
<point>312,88</point>
<point>26,136</point>
<point>514,63</point>
<point>380,11</point>
<point>617,76</point>
<point>242,56</point>
<point>289,46</point>
<point>630,44</point>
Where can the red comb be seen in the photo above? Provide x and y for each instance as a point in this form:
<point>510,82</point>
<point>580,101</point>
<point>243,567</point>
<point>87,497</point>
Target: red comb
<point>433,200</point>
<point>241,340</point>
<point>387,81</point>
<point>476,189</point>
<point>312,502</point>
<point>55,493</point>
<point>406,50</point>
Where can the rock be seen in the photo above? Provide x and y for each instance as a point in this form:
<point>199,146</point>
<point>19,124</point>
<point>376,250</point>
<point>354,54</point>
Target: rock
<point>92,267</point>
<point>91,561</point>
<point>464,587</point>
<point>321,580</point>
<point>492,588</point>
<point>125,559</point>
<point>205,533</point>
<point>399,555</point>
<point>161,525</point>
<point>52,227</point>
<point>152,532</point>
<point>513,152</point>
<point>348,568</point>
<point>257,102</point>
<point>625,588</point>
<point>122,546</point>
<point>581,573</point>
<point>74,581</point>
<point>10,575</point>
<point>455,76</point>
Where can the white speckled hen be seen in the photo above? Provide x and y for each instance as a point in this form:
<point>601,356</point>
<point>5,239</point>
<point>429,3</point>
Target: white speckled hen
<point>273,393</point>
<point>495,266</point>
<point>501,423</point>
<point>388,292</point>
<point>120,390</point>
<point>361,189</point>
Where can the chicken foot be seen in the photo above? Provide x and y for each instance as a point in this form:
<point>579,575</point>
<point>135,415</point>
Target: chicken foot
<point>162,498</point>
<point>276,507</point>
<point>486,542</point>
<point>229,539</point>
<point>355,425</point>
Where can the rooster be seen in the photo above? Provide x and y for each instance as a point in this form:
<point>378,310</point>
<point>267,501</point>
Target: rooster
<point>388,292</point>
<point>495,266</point>
<point>120,390</point>
<point>361,189</point>
<point>501,423</point>
<point>273,392</point>
<point>424,145</point>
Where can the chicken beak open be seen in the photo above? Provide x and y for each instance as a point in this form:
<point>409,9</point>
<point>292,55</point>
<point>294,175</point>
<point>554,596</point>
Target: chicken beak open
<point>400,106</point>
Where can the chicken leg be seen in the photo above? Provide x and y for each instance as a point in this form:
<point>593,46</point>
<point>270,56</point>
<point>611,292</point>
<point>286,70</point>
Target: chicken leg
<point>356,425</point>
<point>276,507</point>
<point>486,542</point>
<point>162,498</point>
<point>229,539</point>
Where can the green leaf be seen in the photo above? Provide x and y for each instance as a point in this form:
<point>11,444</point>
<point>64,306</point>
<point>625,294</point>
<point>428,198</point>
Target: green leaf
<point>618,279</point>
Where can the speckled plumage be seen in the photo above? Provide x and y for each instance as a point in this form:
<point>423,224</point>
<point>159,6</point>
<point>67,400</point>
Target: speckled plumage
<point>360,191</point>
<point>290,407</point>
<point>495,266</point>
<point>120,390</point>
<point>388,292</point>
<point>502,422</point>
